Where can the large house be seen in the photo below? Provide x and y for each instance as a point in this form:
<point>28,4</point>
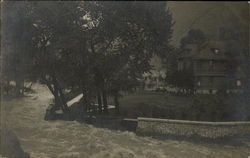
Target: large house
<point>216,65</point>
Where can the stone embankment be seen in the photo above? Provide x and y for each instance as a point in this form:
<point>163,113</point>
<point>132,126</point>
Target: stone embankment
<point>152,126</point>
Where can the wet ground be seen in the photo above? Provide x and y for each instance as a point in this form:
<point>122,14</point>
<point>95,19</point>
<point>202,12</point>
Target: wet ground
<point>71,139</point>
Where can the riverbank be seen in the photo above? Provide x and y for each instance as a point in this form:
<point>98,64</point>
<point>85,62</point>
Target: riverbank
<point>52,139</point>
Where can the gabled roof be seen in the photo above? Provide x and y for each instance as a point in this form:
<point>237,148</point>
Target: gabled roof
<point>212,50</point>
<point>189,51</point>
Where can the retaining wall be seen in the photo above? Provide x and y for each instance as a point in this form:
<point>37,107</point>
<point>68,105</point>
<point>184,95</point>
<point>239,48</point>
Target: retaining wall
<point>152,126</point>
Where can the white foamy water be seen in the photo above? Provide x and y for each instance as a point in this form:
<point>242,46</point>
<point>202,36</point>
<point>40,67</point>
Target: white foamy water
<point>70,139</point>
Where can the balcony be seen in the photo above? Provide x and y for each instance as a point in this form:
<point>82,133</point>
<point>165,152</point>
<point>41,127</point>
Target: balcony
<point>209,72</point>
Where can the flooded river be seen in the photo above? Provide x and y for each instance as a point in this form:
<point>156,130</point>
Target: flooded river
<point>70,139</point>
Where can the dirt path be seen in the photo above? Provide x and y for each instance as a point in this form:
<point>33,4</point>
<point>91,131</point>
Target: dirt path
<point>65,139</point>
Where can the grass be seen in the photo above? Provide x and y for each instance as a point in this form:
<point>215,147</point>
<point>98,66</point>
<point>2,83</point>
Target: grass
<point>152,104</point>
<point>154,98</point>
<point>170,106</point>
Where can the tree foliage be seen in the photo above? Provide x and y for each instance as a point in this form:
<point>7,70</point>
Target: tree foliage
<point>194,36</point>
<point>99,48</point>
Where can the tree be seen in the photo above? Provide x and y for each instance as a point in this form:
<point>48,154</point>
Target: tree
<point>16,37</point>
<point>194,36</point>
<point>129,43</point>
<point>59,38</point>
<point>77,45</point>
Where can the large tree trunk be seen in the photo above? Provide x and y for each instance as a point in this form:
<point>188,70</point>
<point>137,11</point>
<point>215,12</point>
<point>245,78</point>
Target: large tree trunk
<point>104,100</point>
<point>54,91</point>
<point>57,100</point>
<point>7,87</point>
<point>22,89</point>
<point>58,88</point>
<point>64,103</point>
<point>99,100</point>
<point>17,88</point>
<point>58,95</point>
<point>85,103</point>
<point>116,101</point>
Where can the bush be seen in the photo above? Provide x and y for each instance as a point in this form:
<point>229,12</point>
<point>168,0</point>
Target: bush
<point>240,106</point>
<point>145,110</point>
<point>210,108</point>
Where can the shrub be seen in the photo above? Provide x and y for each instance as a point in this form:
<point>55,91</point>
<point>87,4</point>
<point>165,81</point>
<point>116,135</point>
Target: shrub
<point>210,108</point>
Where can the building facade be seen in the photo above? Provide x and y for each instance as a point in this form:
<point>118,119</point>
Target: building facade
<point>214,66</point>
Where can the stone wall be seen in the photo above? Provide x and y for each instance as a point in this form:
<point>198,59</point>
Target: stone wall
<point>152,126</point>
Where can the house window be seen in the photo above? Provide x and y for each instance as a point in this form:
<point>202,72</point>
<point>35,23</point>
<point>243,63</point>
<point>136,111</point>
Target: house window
<point>188,65</point>
<point>160,78</point>
<point>238,68</point>
<point>211,65</point>
<point>180,65</point>
<point>215,50</point>
<point>238,83</point>
<point>199,83</point>
<point>210,91</point>
<point>211,81</point>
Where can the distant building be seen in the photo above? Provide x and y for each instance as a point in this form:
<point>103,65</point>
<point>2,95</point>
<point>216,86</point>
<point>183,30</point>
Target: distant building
<point>216,66</point>
<point>156,77</point>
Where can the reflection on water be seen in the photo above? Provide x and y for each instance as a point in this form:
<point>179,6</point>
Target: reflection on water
<point>70,139</point>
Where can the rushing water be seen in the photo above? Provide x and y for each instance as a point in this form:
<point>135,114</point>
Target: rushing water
<point>70,139</point>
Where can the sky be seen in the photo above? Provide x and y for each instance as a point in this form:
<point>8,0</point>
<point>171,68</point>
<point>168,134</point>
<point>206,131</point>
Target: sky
<point>207,16</point>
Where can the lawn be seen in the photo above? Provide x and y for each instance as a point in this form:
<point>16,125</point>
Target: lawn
<point>152,104</point>
<point>171,106</point>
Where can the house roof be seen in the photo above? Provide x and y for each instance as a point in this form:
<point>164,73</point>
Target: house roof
<point>212,50</point>
<point>189,51</point>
